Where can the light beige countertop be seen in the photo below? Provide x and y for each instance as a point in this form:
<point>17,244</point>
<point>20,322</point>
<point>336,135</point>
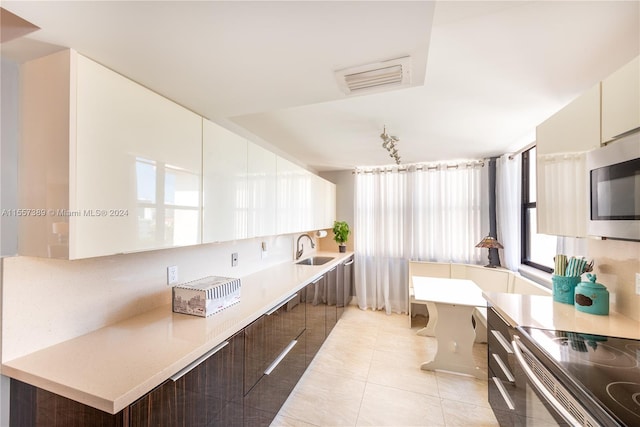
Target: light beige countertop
<point>112,367</point>
<point>543,312</point>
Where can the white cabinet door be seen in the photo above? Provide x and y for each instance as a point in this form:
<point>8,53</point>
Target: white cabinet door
<point>562,142</point>
<point>293,198</point>
<point>116,166</point>
<point>137,167</point>
<point>621,101</point>
<point>324,203</point>
<point>329,205</point>
<point>261,216</point>
<point>224,174</point>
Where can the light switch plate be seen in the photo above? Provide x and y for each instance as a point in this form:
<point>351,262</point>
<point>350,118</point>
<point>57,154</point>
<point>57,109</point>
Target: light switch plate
<point>637,283</point>
<point>172,275</point>
<point>234,259</point>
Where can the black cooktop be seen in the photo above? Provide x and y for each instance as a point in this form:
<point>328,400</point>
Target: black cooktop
<point>606,368</point>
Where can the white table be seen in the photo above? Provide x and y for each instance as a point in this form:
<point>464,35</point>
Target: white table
<point>454,301</point>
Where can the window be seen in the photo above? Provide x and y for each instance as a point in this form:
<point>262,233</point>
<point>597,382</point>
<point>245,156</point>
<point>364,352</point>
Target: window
<point>538,250</point>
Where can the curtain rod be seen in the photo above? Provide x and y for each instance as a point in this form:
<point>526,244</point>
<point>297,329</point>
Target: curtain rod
<point>522,150</point>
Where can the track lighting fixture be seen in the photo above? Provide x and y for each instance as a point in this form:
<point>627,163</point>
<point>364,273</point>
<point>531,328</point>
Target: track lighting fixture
<point>389,144</point>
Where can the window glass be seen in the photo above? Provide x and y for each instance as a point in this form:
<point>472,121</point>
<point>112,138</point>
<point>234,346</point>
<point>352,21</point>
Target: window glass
<point>538,250</point>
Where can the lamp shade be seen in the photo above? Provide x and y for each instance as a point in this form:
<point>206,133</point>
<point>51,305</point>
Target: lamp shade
<point>489,242</point>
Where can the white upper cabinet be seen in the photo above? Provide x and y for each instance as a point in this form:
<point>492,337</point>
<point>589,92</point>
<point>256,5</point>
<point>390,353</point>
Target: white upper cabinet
<point>621,101</point>
<point>291,196</point>
<point>323,203</point>
<point>562,142</point>
<point>329,205</point>
<point>107,166</point>
<point>224,174</point>
<point>261,217</point>
<point>305,201</point>
<point>116,167</point>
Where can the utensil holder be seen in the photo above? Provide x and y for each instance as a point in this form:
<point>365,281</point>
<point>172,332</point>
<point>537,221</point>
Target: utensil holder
<point>564,288</point>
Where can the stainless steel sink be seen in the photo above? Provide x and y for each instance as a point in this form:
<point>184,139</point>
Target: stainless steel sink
<point>315,260</point>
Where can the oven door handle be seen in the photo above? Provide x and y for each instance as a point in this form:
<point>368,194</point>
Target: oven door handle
<point>517,349</point>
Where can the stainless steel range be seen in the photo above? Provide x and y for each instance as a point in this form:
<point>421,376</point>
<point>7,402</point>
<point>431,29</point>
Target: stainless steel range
<point>595,379</point>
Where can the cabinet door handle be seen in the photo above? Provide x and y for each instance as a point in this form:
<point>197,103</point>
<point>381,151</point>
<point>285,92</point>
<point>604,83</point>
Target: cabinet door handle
<point>278,359</point>
<point>273,310</point>
<point>629,132</point>
<point>503,392</point>
<point>317,280</point>
<point>504,368</point>
<point>348,263</point>
<point>181,373</point>
<point>503,341</point>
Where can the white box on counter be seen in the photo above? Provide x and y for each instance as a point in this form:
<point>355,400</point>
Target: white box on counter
<point>206,296</point>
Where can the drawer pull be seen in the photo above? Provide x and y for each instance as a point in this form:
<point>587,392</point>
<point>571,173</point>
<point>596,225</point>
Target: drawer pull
<point>278,359</point>
<point>503,392</point>
<point>279,306</point>
<point>181,373</point>
<point>504,368</point>
<point>348,263</point>
<point>317,280</point>
<point>503,341</point>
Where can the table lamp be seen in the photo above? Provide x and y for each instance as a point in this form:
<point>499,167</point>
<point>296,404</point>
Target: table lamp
<point>490,242</point>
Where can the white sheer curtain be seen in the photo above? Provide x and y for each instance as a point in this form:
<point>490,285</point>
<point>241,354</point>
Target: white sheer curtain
<point>426,213</point>
<point>381,243</point>
<point>447,212</point>
<point>508,207</point>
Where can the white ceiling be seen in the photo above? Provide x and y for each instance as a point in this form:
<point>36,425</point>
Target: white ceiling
<point>484,73</point>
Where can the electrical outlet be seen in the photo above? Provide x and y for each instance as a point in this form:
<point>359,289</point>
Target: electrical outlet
<point>172,275</point>
<point>234,259</point>
<point>264,251</point>
<point>637,283</point>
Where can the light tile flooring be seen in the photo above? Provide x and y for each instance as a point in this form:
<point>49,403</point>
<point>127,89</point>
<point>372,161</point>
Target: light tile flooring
<point>368,373</point>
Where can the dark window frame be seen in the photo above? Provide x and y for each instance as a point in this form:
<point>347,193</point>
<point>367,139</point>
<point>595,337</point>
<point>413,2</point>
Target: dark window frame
<point>527,205</point>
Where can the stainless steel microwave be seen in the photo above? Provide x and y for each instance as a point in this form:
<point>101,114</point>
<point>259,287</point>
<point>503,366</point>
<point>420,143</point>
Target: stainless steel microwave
<point>614,189</point>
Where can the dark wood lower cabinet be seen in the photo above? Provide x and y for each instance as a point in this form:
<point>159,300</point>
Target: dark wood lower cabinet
<point>264,400</point>
<point>34,407</point>
<point>331,281</point>
<point>208,395</point>
<point>315,331</point>
<point>244,383</point>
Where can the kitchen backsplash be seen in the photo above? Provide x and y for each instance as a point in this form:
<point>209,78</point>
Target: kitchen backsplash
<point>616,265</point>
<point>47,301</point>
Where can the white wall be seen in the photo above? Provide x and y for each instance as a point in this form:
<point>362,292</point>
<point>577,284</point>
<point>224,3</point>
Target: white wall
<point>345,199</point>
<point>9,113</point>
<point>9,88</point>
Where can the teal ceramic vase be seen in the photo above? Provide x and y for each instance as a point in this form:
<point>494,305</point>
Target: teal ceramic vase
<point>564,288</point>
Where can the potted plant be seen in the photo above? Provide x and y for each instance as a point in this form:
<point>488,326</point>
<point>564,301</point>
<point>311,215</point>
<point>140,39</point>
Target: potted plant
<point>340,234</point>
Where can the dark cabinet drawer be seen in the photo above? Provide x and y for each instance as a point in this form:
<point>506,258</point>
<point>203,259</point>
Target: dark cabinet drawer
<point>264,400</point>
<point>269,335</point>
<point>345,282</point>
<point>331,281</point>
<point>315,331</point>
<point>505,382</point>
<point>501,401</point>
<point>210,392</point>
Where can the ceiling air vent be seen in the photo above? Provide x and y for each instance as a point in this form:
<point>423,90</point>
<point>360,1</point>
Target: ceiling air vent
<point>391,74</point>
